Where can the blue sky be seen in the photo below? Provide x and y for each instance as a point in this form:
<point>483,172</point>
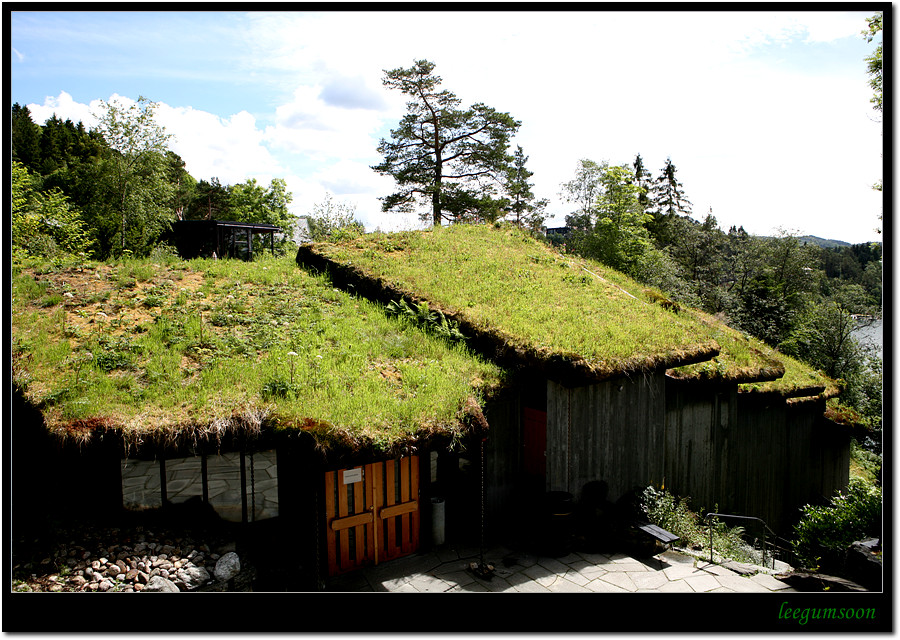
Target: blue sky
<point>766,116</point>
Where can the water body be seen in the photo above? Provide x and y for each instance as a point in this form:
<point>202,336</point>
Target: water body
<point>873,334</point>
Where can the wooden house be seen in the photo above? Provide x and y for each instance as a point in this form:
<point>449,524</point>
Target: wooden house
<point>251,396</point>
<point>292,405</point>
<point>713,415</point>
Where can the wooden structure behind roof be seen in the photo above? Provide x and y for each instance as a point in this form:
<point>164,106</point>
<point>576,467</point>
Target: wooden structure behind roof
<point>225,238</point>
<point>564,424</point>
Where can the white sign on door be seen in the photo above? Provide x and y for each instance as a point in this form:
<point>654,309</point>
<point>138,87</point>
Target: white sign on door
<point>352,475</point>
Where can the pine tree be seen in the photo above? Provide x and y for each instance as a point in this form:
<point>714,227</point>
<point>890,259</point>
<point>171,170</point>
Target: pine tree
<point>26,136</point>
<point>642,179</point>
<point>453,158</point>
<point>667,202</point>
<point>526,212</point>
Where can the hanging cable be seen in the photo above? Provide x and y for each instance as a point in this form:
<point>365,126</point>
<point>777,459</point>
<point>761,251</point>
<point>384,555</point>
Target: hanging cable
<point>482,569</point>
<point>252,491</point>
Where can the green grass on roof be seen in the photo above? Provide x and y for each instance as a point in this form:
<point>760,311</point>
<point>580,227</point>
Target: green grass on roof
<point>141,346</point>
<point>502,281</point>
<point>744,357</point>
<point>506,283</point>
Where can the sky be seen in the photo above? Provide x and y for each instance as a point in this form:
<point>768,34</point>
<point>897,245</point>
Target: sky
<point>765,115</point>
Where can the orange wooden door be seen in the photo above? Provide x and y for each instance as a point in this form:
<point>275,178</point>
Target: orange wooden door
<point>371,513</point>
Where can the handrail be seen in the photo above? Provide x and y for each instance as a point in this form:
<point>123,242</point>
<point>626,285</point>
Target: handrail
<point>730,515</point>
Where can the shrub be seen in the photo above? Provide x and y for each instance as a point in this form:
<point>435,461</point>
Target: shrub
<point>824,534</point>
<point>675,515</point>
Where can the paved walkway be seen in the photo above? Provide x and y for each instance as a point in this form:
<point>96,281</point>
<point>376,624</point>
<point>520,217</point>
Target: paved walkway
<point>447,569</point>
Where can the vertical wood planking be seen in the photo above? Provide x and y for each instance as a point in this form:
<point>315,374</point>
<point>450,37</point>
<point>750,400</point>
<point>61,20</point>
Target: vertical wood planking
<point>377,485</point>
<point>385,483</point>
<point>342,512</point>
<point>404,497</point>
<point>359,531</point>
<point>369,477</point>
<point>389,499</point>
<point>330,538</point>
<point>414,495</point>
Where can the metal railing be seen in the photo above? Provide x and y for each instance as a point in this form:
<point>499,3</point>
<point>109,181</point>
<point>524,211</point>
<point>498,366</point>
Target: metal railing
<point>730,515</point>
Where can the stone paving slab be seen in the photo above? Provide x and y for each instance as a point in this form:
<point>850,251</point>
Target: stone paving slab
<point>703,583</point>
<point>648,580</point>
<point>562,585</point>
<point>769,582</point>
<point>446,570</point>
<point>620,579</point>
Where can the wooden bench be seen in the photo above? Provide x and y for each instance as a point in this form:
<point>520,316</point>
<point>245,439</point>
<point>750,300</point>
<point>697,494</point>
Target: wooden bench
<point>666,537</point>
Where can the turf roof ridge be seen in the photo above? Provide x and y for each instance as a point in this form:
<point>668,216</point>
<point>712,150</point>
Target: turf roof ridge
<point>139,431</point>
<point>495,343</point>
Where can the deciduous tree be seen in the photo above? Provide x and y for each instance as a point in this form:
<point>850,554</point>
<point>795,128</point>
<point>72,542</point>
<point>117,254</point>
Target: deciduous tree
<point>137,176</point>
<point>330,220</point>
<point>43,222</point>
<point>613,230</point>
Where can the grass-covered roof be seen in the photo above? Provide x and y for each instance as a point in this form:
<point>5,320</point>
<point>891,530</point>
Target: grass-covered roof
<point>200,347</point>
<point>546,307</point>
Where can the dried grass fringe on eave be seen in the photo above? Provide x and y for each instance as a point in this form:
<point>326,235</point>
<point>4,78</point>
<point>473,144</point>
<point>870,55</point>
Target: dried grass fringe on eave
<point>772,370</point>
<point>246,423</point>
<point>249,423</point>
<point>329,438</point>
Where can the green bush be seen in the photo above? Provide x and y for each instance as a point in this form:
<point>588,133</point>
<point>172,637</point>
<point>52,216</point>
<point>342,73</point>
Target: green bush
<point>672,514</point>
<point>824,534</point>
<point>675,515</point>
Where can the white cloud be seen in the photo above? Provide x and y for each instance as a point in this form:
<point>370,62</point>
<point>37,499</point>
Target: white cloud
<point>65,108</point>
<point>757,140</point>
<point>308,126</point>
<point>231,149</point>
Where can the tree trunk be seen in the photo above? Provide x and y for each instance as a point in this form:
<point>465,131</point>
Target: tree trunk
<point>124,194</point>
<point>438,160</point>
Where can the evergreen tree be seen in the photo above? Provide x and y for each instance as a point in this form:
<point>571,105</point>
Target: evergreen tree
<point>453,158</point>
<point>184,186</point>
<point>26,136</point>
<point>667,201</point>
<point>642,179</point>
<point>525,211</point>
<point>211,201</point>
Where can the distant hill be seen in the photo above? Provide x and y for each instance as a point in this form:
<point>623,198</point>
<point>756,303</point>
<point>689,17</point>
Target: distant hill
<point>822,242</point>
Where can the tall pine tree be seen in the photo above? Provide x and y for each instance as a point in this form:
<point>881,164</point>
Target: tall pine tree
<point>667,202</point>
<point>453,159</point>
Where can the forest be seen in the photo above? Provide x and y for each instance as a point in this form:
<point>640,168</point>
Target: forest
<point>114,190</point>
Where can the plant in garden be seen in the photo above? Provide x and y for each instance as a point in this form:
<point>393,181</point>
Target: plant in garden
<point>79,362</point>
<point>675,515</point>
<point>433,321</point>
<point>825,533</point>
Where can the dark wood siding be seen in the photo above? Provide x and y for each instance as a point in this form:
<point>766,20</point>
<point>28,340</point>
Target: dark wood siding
<point>752,455</point>
<point>611,431</point>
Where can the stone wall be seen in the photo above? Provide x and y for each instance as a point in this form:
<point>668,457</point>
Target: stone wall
<point>142,489</point>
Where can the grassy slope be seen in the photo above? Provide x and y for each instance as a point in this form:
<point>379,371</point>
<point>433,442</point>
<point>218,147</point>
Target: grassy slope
<point>507,283</point>
<point>538,298</point>
<point>138,345</point>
